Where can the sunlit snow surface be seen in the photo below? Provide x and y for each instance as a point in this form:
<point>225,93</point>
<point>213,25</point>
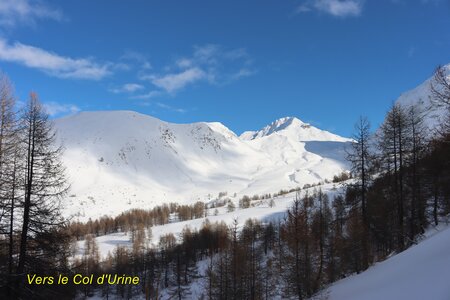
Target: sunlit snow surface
<point>262,211</point>
<point>118,160</point>
<point>421,272</point>
<point>422,97</point>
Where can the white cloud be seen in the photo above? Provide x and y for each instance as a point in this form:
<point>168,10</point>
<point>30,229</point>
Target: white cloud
<point>236,54</point>
<point>132,87</point>
<point>151,94</point>
<point>168,107</point>
<point>209,63</point>
<point>184,63</point>
<point>121,66</point>
<point>206,54</point>
<point>52,63</point>
<point>127,88</point>
<point>14,12</point>
<point>244,72</point>
<point>337,8</point>
<point>55,109</point>
<point>137,57</point>
<point>173,82</point>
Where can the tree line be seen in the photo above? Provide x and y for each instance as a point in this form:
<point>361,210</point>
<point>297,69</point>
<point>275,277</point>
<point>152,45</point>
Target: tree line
<point>133,219</point>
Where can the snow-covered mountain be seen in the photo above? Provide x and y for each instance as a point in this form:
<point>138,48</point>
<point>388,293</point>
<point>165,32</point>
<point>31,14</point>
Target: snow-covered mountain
<point>422,97</point>
<point>117,160</point>
<point>293,128</point>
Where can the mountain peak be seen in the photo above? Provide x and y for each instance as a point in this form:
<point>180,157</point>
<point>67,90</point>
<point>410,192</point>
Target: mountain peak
<point>282,124</point>
<point>286,121</point>
<point>276,126</point>
<point>293,128</point>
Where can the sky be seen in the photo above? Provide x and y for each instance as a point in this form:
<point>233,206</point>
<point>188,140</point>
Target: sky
<point>241,63</point>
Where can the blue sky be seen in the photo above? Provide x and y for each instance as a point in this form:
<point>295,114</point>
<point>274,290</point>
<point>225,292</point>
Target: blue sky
<point>243,63</point>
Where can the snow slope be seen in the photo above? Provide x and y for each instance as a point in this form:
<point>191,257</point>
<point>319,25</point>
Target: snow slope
<point>422,97</point>
<point>261,211</point>
<point>420,272</point>
<point>117,160</point>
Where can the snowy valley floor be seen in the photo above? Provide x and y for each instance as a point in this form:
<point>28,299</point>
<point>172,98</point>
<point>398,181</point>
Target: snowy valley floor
<point>261,211</point>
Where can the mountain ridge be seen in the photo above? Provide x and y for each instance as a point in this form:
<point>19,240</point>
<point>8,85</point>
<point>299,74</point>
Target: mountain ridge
<point>123,159</point>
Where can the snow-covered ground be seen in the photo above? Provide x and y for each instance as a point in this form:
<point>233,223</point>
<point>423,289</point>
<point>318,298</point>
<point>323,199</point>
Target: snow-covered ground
<point>421,272</point>
<point>262,212</point>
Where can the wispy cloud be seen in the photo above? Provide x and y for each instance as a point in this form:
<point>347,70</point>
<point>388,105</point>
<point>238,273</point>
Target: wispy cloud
<point>337,8</point>
<point>127,88</point>
<point>244,72</point>
<point>208,63</point>
<point>184,63</point>
<point>168,107</point>
<point>302,8</point>
<point>149,95</point>
<point>140,58</point>
<point>176,81</point>
<point>15,12</point>
<point>56,109</point>
<point>52,63</point>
